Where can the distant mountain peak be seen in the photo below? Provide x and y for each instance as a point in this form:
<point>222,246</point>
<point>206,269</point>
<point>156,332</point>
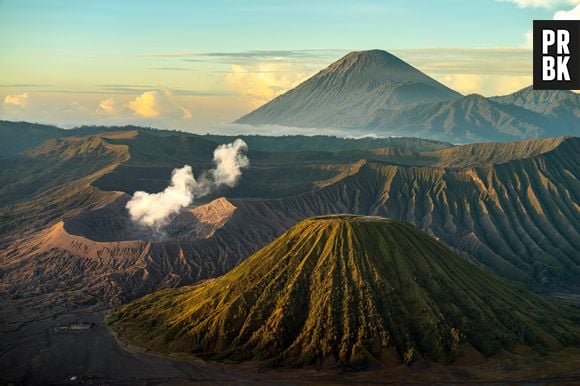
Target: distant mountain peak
<point>365,57</point>
<point>375,67</point>
<point>560,105</point>
<point>376,92</point>
<point>349,90</point>
<point>539,94</point>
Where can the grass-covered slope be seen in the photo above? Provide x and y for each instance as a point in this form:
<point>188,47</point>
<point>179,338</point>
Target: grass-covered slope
<point>279,166</point>
<point>18,136</point>
<point>347,290</point>
<point>325,143</point>
<point>514,209</point>
<point>493,153</point>
<point>43,183</point>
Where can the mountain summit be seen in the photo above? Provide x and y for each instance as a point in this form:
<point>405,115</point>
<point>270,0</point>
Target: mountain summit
<point>375,92</point>
<point>347,291</point>
<point>368,70</point>
<point>349,91</point>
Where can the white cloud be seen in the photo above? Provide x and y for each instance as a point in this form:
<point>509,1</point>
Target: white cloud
<point>573,14</point>
<point>146,105</point>
<point>75,107</point>
<point>539,3</point>
<point>108,106</point>
<point>20,100</point>
<point>265,81</point>
<point>449,61</point>
<point>16,106</point>
<point>487,85</point>
<point>158,103</point>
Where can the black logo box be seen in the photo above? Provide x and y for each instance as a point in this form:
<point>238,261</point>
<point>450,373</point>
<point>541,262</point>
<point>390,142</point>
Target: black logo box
<point>573,28</point>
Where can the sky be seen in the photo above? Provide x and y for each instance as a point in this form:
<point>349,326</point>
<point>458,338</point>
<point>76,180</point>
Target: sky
<point>194,65</point>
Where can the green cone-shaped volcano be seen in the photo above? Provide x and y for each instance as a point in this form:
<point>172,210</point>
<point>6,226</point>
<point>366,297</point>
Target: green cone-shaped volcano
<point>349,290</point>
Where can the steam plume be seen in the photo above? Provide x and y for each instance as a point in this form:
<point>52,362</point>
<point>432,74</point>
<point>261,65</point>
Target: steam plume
<point>155,210</point>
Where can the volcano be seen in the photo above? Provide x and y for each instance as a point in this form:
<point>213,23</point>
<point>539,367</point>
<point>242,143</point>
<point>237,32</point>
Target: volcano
<point>348,291</point>
<point>350,91</point>
<point>374,92</point>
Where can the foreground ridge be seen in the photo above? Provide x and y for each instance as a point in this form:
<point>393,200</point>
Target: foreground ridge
<point>349,291</point>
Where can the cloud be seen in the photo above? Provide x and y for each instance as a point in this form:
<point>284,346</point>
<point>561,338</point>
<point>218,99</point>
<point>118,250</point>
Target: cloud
<point>19,101</point>
<point>158,103</point>
<point>464,83</point>
<point>155,210</point>
<point>233,129</point>
<point>539,3</point>
<point>171,69</point>
<point>265,81</point>
<point>27,85</point>
<point>253,56</point>
<point>314,57</point>
<point>140,89</point>
<point>573,14</point>
<point>108,106</point>
<point>146,105</point>
<point>486,71</point>
<point>75,108</point>
<point>495,60</point>
<point>488,85</point>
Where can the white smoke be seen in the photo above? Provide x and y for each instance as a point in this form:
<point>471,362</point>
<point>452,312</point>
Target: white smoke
<point>229,159</point>
<point>155,210</point>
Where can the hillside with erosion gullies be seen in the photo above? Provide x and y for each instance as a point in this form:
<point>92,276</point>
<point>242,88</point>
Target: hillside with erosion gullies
<point>348,291</point>
<point>69,249</point>
<point>511,207</point>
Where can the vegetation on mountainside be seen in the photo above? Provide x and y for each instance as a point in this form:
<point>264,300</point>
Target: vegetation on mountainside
<point>351,290</point>
<point>41,184</point>
<point>324,143</point>
<point>18,136</point>
<point>519,218</point>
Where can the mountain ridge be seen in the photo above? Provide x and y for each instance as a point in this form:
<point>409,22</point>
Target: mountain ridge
<point>542,101</point>
<point>461,195</point>
<point>467,119</point>
<point>375,92</point>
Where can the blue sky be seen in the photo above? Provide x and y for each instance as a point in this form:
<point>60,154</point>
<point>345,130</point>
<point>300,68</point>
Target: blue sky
<point>107,26</point>
<point>190,63</point>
